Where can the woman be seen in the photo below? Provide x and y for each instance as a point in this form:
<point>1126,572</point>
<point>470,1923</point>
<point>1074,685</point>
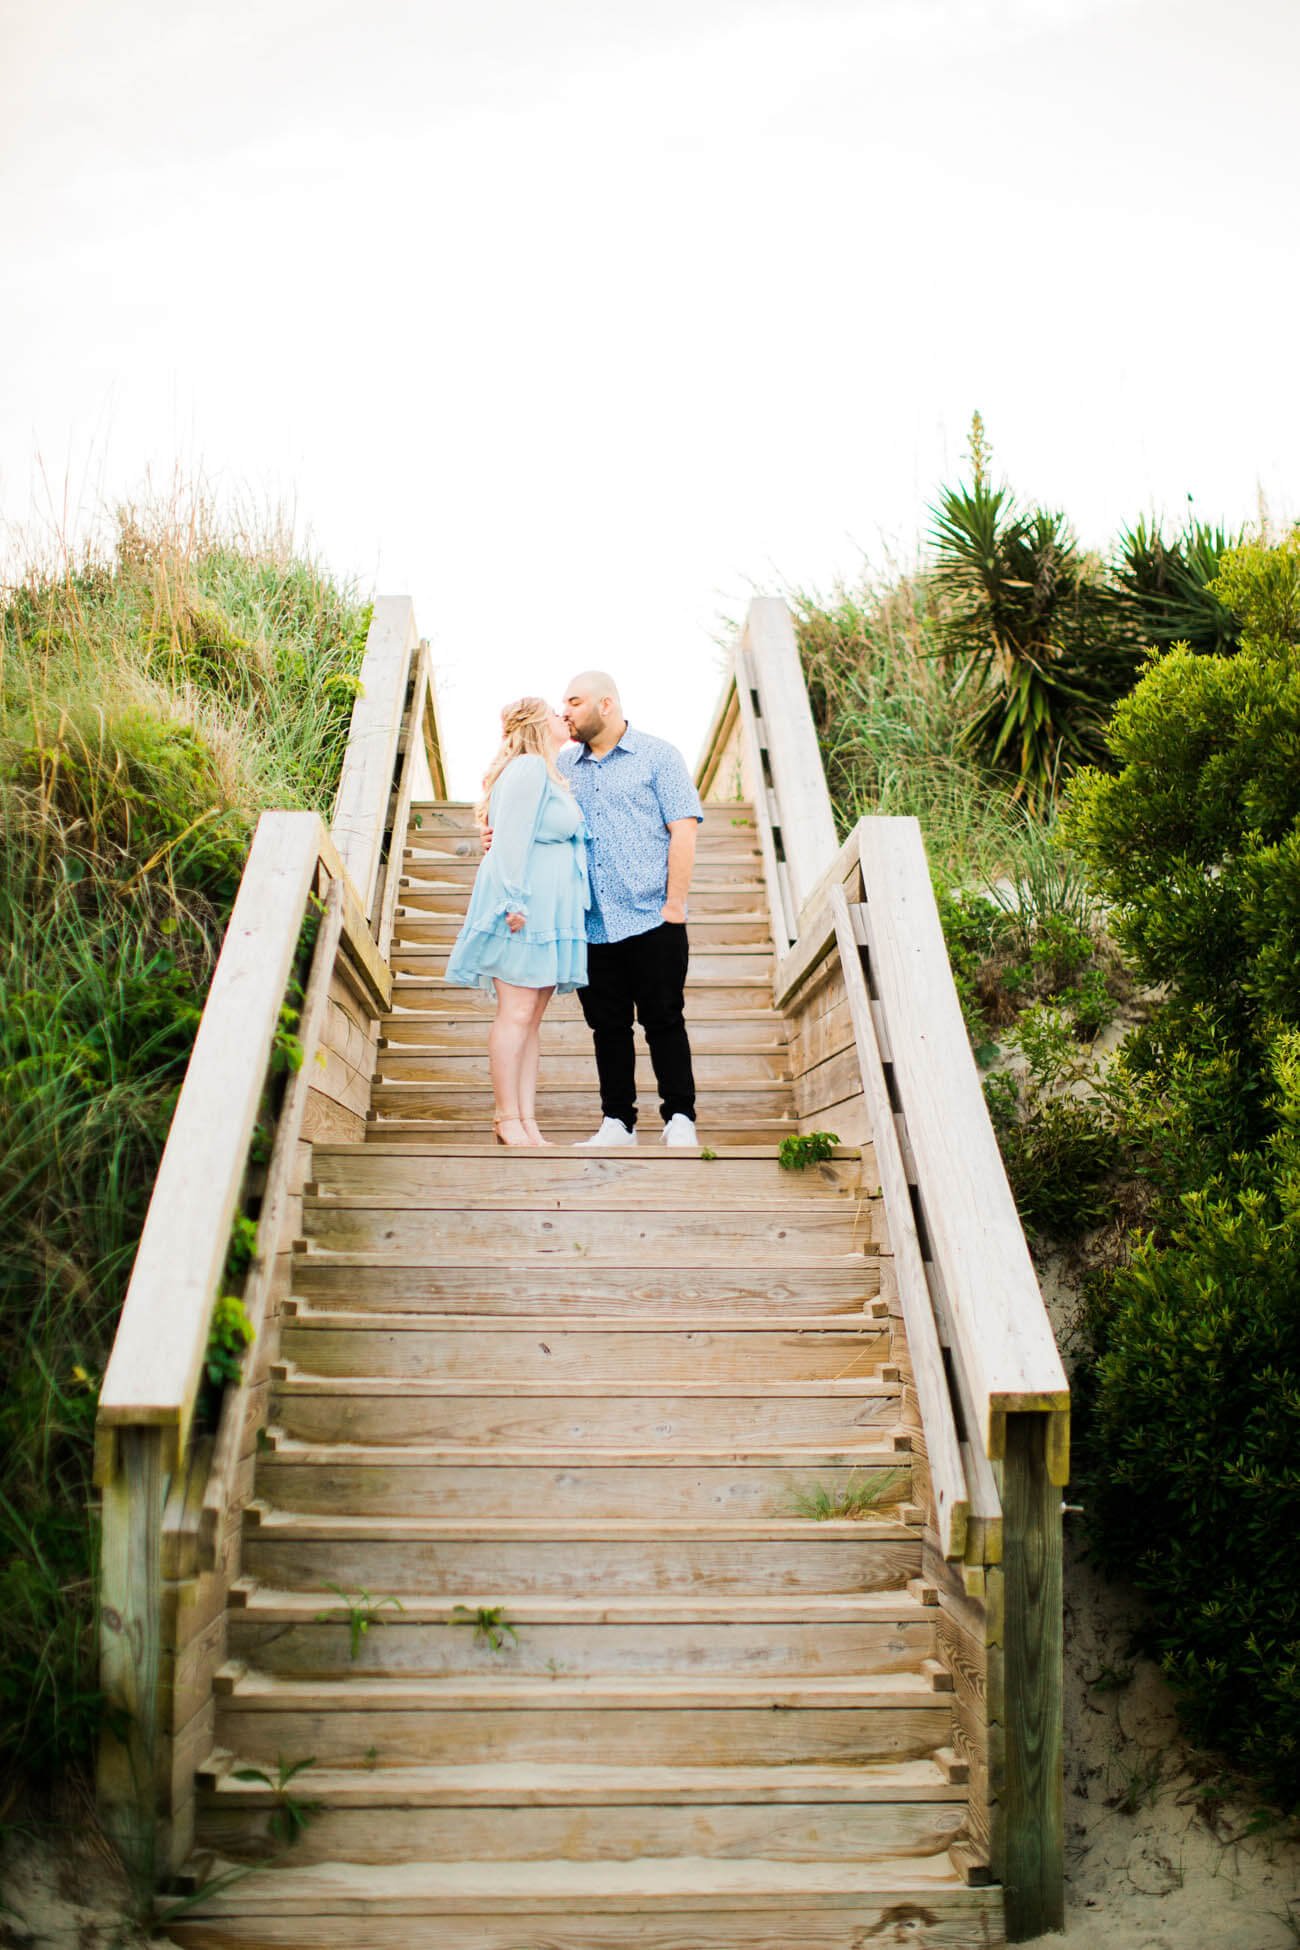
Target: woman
<point>525,934</point>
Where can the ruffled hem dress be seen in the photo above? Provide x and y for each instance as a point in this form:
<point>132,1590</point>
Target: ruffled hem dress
<point>537,866</point>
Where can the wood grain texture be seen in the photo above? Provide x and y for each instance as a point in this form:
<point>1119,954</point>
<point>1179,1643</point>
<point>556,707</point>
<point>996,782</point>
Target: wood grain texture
<point>131,1649</point>
<point>233,1434</point>
<point>799,783</point>
<point>411,767</point>
<point>932,1922</point>
<point>947,1476</point>
<point>153,1372</point>
<point>1033,1863</point>
<point>1002,1334</point>
<point>362,802</point>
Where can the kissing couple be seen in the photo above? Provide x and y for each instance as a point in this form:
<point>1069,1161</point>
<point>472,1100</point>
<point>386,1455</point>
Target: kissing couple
<point>590,851</point>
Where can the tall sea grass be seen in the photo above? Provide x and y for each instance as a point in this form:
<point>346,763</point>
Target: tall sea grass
<point>155,695</point>
<point>893,727</point>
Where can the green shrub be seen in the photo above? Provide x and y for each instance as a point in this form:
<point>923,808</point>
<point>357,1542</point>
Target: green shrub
<point>1191,1442</point>
<point>151,704</point>
<point>1055,1129</point>
<point>1193,1469</point>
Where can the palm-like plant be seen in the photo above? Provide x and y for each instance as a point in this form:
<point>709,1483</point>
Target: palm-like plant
<point>1161,590</point>
<point>1025,624</point>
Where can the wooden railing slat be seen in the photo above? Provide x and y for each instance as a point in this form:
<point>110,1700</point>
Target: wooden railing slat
<point>365,785</point>
<point>216,1499</point>
<point>781,918</point>
<point>948,1478</point>
<point>807,823</point>
<point>999,1323</point>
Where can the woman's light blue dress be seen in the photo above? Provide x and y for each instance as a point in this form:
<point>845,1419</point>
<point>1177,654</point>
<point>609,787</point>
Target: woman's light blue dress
<point>537,866</point>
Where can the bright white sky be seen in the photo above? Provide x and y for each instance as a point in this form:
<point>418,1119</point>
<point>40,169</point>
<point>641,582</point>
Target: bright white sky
<point>579,320</point>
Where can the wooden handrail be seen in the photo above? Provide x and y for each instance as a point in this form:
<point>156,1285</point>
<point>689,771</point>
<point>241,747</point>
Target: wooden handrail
<point>947,1474</point>
<point>361,807</point>
<point>165,1498</point>
<point>807,824</point>
<point>1006,1349</point>
<point>990,1387</point>
<point>154,1370</point>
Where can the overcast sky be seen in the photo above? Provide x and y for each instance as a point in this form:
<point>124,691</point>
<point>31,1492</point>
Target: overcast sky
<point>578,320</point>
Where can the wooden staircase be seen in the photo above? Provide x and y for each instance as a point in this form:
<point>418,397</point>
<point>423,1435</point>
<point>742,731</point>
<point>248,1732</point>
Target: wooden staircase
<point>576,1412</point>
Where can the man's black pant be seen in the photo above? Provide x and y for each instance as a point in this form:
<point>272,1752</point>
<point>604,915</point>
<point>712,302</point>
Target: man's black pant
<point>646,976</point>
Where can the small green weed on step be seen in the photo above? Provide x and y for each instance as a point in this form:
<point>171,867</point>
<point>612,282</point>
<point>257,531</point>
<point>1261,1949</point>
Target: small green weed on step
<point>291,1816</point>
<point>808,1148</point>
<point>362,1610</point>
<point>855,1500</point>
<point>491,1626</point>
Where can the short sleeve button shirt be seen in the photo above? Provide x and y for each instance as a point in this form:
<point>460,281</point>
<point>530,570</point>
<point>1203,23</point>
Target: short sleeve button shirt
<point>628,798</point>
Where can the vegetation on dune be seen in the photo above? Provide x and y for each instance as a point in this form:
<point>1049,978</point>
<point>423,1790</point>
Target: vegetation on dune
<point>153,699</point>
<point>1102,754</point>
<point>1193,1435</point>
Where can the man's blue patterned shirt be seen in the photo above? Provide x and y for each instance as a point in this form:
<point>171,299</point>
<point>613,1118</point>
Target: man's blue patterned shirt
<point>627,799</point>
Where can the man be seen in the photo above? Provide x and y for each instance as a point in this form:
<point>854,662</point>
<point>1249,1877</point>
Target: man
<point>643,814</point>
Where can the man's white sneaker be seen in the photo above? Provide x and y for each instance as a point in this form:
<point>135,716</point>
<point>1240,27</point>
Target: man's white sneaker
<point>680,1130</point>
<point>612,1131</point>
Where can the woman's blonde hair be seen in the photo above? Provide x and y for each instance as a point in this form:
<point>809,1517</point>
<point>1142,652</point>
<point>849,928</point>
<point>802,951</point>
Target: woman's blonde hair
<point>523,729</point>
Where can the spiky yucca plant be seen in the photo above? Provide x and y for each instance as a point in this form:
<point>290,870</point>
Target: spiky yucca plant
<point>1025,623</point>
<point>1162,588</point>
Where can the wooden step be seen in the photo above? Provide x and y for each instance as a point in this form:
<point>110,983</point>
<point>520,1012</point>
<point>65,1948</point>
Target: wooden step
<point>582,1786</point>
<point>384,1828</point>
<point>404,1061</point>
<point>429,1029</point>
<point>651,1170</point>
<point>313,1636</point>
<point>738,1101</point>
<point>708,963</point>
<point>707,995</point>
<point>602,1415</point>
<point>664,1722</point>
<point>713,932</point>
<point>556,1348</point>
<point>387,1283</point>
<point>687,1903</point>
<point>510,1561</point>
<point>425,1480</point>
<point>716,847</point>
<point>627,1235</point>
<point>443,886</point>
<point>570,1131</point>
<point>891,1605</point>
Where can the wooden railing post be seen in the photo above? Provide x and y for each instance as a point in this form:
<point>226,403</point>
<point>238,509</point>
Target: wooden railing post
<point>1033,1868</point>
<point>130,1638</point>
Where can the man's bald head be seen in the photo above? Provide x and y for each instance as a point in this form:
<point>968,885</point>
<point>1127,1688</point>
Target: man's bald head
<point>592,705</point>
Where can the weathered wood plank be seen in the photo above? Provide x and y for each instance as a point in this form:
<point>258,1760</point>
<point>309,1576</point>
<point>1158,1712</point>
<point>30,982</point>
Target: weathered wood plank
<point>277,1201</point>
<point>131,1649</point>
<point>947,1476</point>
<point>1002,1333</point>
<point>153,1372</point>
<point>361,804</point>
<point>1033,1867</point>
<point>807,826</point>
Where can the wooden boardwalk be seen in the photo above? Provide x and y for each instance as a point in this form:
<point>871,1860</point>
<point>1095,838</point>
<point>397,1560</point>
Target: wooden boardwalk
<point>597,1548</point>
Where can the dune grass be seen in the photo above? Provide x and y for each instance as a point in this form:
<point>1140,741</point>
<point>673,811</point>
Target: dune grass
<point>155,696</point>
<point>894,727</point>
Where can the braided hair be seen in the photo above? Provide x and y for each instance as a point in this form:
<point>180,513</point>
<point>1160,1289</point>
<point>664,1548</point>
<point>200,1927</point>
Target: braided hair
<point>523,729</point>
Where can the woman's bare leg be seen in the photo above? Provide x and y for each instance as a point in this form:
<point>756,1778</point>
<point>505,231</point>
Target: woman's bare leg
<point>528,1069</point>
<point>507,1050</point>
